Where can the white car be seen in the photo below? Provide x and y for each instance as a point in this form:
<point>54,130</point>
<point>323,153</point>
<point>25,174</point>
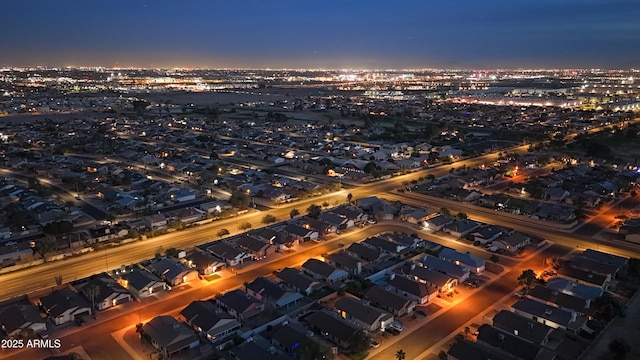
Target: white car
<point>396,326</point>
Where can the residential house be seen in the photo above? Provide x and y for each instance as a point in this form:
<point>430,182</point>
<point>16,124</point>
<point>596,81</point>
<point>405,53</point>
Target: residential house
<point>301,233</point>
<point>209,320</point>
<point>289,337</point>
<point>406,240</point>
<point>173,272</point>
<point>468,350</point>
<point>107,293</point>
<point>141,283</point>
<point>461,228</point>
<point>270,292</point>
<point>527,329</point>
<point>280,240</point>
<point>464,195</point>
<point>156,221</point>
<point>15,251</point>
<point>512,242</point>
<point>257,248</point>
<point>65,305</point>
<point>438,223</point>
<point>256,350</point>
<point>187,215</point>
<point>512,345</point>
<point>240,304</point>
<point>435,279</point>
<point>603,258</point>
<point>322,271</point>
<point>181,195</point>
<point>457,272</point>
<point>333,328</point>
<point>297,280</point>
<point>589,265</point>
<point>395,304</point>
<point>352,213</point>
<point>549,315</point>
<point>366,317</point>
<point>555,194</point>
<point>215,207</point>
<point>585,277</point>
<point>383,245</point>
<point>558,299</point>
<point>474,264</point>
<point>229,254</point>
<point>205,263</point>
<point>494,201</point>
<point>487,234</point>
<point>574,288</point>
<point>417,291</point>
<point>336,221</point>
<point>20,318</point>
<point>106,233</point>
<point>169,336</point>
<point>342,260</point>
<point>554,213</point>
<point>364,253</point>
<point>321,227</point>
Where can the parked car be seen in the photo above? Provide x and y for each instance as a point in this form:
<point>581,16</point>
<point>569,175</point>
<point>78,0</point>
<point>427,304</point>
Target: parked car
<point>392,331</point>
<point>374,344</point>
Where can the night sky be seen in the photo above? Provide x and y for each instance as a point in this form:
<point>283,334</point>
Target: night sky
<point>373,34</point>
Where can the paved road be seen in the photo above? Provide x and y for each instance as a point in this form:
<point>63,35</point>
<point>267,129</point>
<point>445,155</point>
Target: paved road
<point>96,338</point>
<point>486,297</point>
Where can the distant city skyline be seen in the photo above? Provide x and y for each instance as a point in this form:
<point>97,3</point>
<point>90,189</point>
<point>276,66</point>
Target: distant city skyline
<point>331,34</point>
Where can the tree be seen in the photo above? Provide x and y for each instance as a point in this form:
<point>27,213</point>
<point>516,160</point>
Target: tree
<point>358,342</point>
<point>445,211</point>
<point>223,232</point>
<point>46,246</point>
<point>171,252</point>
<point>239,200</point>
<point>58,279</point>
<point>245,226</point>
<point>400,354</point>
<point>527,279</point>
<point>314,211</point>
<point>466,331</point>
<point>92,291</point>
<point>293,213</point>
<point>313,350</point>
<point>370,167</point>
<point>494,258</point>
<point>349,197</point>
<point>461,216</point>
<point>619,347</point>
<point>57,227</point>
<point>442,355</point>
<point>268,219</point>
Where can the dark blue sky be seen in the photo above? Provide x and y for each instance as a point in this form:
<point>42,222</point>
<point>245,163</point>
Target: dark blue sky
<point>322,34</point>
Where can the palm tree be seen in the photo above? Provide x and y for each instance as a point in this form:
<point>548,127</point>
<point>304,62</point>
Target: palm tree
<point>92,291</point>
<point>349,197</point>
<point>400,355</point>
